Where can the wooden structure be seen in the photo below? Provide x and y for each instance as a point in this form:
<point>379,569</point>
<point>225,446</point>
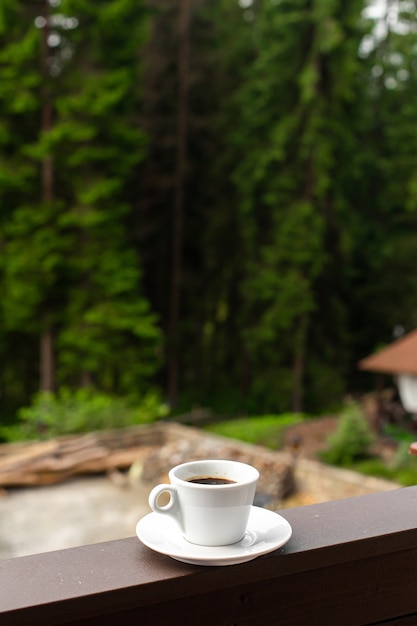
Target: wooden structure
<point>399,359</point>
<point>349,562</point>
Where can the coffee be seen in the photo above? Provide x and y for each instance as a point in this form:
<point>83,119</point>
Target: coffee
<point>211,480</point>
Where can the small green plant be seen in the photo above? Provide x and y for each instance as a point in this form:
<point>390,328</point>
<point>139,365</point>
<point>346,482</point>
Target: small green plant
<point>352,439</point>
<point>403,469</point>
<point>81,411</point>
<point>403,465</point>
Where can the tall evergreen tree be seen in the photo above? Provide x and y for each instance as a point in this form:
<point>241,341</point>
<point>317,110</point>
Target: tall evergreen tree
<point>68,265</point>
<point>25,259</point>
<point>382,276</point>
<point>178,188</point>
<point>294,126</point>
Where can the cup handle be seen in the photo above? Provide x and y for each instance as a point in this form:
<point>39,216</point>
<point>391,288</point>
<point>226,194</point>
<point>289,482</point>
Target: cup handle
<point>172,509</point>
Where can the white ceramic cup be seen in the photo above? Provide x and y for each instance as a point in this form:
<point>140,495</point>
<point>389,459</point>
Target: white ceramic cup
<point>209,514</point>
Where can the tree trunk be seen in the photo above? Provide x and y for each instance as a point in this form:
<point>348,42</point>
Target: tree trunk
<point>47,373</point>
<point>179,196</point>
<point>47,367</point>
<point>299,364</point>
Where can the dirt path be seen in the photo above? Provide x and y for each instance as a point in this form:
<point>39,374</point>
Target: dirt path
<point>310,438</point>
<point>75,513</point>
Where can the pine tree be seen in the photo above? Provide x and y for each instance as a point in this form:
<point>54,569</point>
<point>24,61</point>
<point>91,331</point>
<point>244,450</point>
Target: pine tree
<point>70,273</point>
<point>293,103</point>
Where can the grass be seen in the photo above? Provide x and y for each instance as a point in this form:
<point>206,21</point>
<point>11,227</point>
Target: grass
<point>405,475</point>
<point>265,430</point>
<point>402,468</point>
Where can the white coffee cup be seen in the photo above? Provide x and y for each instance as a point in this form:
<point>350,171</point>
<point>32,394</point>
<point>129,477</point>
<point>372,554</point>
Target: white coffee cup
<point>209,514</point>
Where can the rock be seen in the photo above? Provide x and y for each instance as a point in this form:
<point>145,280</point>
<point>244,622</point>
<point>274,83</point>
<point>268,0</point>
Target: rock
<point>185,444</point>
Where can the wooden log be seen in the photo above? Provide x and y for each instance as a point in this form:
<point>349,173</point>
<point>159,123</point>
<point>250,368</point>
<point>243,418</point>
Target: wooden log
<point>25,453</point>
<point>49,462</point>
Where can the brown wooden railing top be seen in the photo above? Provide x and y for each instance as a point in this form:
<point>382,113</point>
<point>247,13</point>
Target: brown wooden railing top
<point>359,552</point>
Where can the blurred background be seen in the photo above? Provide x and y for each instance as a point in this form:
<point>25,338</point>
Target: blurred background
<point>208,215</point>
<point>202,204</point>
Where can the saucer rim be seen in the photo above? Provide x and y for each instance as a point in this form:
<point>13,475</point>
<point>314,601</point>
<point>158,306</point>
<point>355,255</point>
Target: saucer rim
<point>219,556</point>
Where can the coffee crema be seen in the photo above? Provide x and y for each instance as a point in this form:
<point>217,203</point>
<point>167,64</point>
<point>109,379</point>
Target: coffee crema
<point>210,480</point>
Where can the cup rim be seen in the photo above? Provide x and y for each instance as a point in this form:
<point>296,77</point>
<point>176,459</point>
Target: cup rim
<point>246,481</point>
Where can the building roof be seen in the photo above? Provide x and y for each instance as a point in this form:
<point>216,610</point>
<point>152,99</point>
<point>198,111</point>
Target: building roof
<point>400,357</point>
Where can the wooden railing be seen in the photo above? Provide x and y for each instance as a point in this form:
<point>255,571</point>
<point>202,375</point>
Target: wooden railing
<point>349,562</point>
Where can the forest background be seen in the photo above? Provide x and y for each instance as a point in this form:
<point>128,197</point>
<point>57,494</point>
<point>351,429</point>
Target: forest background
<point>204,203</point>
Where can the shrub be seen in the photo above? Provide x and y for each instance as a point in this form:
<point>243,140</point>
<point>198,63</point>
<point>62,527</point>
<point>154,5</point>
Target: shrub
<point>352,439</point>
<point>81,411</point>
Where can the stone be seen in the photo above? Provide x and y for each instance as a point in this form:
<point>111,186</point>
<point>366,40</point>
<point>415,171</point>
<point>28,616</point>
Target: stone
<point>184,444</point>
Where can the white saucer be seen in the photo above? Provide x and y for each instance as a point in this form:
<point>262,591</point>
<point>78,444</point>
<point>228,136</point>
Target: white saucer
<point>266,531</point>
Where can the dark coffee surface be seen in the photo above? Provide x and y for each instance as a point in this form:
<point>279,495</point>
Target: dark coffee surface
<point>211,480</point>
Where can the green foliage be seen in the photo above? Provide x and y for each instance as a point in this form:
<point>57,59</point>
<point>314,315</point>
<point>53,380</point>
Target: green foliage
<point>352,439</point>
<point>266,430</point>
<point>403,468</point>
<point>81,411</point>
<point>68,267</point>
<point>299,223</point>
<point>287,136</point>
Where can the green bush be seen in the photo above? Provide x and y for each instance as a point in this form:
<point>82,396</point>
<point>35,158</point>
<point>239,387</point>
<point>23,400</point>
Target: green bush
<point>404,473</point>
<point>400,433</point>
<point>352,439</point>
<point>85,410</point>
